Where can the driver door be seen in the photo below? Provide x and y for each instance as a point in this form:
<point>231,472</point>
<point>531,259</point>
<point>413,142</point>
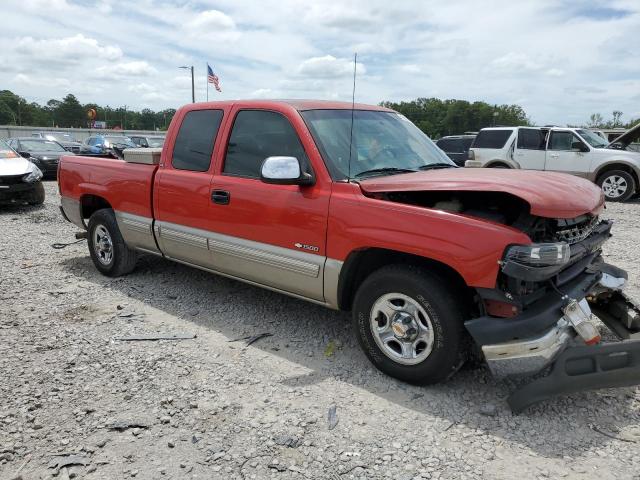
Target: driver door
<point>270,234</point>
<point>565,153</point>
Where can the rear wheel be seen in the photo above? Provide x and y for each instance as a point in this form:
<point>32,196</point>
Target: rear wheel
<point>617,185</point>
<point>110,254</point>
<point>409,325</point>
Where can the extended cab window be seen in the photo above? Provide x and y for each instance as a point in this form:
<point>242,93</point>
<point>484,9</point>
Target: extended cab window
<point>492,138</point>
<point>531,139</point>
<point>195,140</point>
<point>257,135</point>
<point>564,141</point>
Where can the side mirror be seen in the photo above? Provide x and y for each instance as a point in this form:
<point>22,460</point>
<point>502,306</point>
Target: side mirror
<point>24,154</point>
<point>284,171</point>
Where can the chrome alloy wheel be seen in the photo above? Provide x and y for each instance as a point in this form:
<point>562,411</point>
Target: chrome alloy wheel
<point>614,186</point>
<point>103,245</point>
<point>401,328</point>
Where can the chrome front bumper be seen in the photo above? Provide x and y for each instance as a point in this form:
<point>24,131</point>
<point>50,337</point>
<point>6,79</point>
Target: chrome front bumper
<point>530,356</point>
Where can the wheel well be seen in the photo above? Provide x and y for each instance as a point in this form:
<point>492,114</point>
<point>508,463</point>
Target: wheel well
<point>89,204</point>
<point>361,263</point>
<point>618,166</point>
<point>498,164</point>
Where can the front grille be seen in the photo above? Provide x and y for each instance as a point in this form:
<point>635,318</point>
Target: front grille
<point>11,179</point>
<point>577,232</point>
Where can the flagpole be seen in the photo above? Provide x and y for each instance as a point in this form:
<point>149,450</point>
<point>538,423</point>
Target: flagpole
<point>207,80</point>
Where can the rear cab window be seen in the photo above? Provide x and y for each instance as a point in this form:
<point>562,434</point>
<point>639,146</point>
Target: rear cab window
<point>492,139</point>
<point>531,139</point>
<point>195,140</point>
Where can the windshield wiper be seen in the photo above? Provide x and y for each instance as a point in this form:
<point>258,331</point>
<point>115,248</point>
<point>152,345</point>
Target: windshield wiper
<point>389,170</point>
<point>433,166</point>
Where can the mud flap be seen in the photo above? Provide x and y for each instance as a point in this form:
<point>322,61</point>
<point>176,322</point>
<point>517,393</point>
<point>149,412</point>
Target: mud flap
<point>579,368</point>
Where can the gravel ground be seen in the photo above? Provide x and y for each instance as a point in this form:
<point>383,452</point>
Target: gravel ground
<point>210,408</point>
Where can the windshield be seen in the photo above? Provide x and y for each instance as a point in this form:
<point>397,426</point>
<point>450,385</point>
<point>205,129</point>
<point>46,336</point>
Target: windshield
<point>382,141</point>
<point>40,146</point>
<point>59,137</point>
<point>6,151</point>
<point>593,139</point>
<point>119,141</point>
<point>155,141</point>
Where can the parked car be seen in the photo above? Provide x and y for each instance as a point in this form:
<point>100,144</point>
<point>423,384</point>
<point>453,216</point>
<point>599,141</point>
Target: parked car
<point>577,151</point>
<point>105,144</point>
<point>20,179</point>
<point>44,153</point>
<point>456,147</point>
<point>435,262</point>
<point>63,138</point>
<point>148,141</point>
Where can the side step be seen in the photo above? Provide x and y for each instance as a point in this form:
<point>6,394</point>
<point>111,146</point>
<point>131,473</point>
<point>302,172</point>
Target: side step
<point>579,368</point>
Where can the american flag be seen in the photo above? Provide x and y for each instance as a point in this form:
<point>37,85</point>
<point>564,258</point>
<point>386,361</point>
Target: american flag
<point>213,78</point>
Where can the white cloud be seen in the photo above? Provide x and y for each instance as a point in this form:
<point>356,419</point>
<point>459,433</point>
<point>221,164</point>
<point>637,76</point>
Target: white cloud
<point>211,21</point>
<point>138,68</point>
<point>67,50</point>
<point>328,66</point>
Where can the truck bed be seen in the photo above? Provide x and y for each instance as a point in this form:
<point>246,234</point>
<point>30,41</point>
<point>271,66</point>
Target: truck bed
<point>126,186</point>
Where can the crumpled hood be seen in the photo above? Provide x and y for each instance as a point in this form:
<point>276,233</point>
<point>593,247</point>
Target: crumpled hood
<point>549,194</point>
<point>15,166</point>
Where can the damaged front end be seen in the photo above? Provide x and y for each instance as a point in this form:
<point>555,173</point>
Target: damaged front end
<point>537,322</point>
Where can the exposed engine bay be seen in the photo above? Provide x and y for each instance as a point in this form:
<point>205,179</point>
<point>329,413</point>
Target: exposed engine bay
<point>502,208</point>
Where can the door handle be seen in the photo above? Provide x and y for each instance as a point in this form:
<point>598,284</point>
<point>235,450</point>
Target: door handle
<point>554,155</point>
<point>221,197</point>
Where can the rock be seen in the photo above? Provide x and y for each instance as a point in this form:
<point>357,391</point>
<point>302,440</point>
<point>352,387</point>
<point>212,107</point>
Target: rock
<point>488,409</point>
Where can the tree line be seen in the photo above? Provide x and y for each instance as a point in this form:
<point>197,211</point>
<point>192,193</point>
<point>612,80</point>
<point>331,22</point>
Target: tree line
<point>433,116</point>
<point>438,118</point>
<point>596,120</point>
<point>69,112</point>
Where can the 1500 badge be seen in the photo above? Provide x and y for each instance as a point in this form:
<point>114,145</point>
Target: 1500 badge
<point>303,246</point>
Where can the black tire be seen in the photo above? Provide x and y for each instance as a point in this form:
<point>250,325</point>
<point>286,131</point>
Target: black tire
<point>620,178</point>
<point>37,196</point>
<point>122,259</point>
<point>437,298</point>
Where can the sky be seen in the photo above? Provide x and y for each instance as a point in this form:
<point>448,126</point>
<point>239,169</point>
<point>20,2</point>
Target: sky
<point>561,60</point>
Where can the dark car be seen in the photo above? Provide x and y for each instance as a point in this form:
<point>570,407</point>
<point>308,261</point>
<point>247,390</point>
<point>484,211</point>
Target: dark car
<point>63,138</point>
<point>456,147</point>
<point>107,144</point>
<point>148,141</point>
<point>44,153</point>
<point>19,178</point>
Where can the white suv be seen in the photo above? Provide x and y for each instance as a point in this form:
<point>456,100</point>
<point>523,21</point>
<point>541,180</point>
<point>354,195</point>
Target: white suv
<point>615,167</point>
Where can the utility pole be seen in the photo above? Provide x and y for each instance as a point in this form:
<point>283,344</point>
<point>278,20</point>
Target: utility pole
<point>193,84</point>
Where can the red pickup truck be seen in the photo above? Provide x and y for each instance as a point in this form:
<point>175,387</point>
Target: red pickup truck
<point>356,209</point>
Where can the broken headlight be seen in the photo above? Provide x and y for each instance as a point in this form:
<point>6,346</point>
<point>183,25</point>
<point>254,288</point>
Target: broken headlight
<point>33,176</point>
<point>539,254</point>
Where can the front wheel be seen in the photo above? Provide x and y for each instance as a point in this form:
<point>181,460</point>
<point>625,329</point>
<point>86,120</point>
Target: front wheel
<point>617,185</point>
<point>110,254</point>
<point>409,325</point>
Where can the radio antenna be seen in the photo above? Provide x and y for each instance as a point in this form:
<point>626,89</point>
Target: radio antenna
<point>353,107</point>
